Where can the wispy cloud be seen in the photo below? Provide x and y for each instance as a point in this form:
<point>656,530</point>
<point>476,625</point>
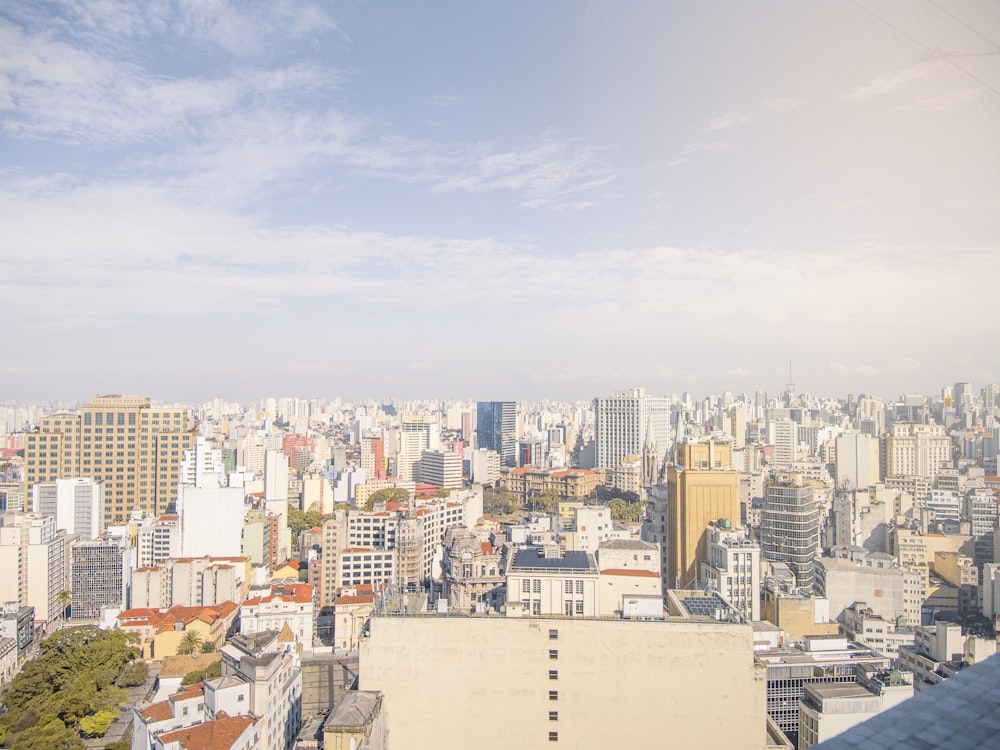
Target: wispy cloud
<point>781,105</point>
<point>891,83</point>
<point>729,120</point>
<point>713,146</point>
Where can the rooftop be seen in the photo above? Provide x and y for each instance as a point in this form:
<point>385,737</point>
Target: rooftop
<point>356,709</point>
<point>212,735</point>
<point>533,558</point>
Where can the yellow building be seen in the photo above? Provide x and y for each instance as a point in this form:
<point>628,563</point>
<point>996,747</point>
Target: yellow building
<point>567,484</point>
<point>134,449</point>
<point>701,487</point>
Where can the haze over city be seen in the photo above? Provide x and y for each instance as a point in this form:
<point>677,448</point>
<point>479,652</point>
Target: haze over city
<point>529,200</point>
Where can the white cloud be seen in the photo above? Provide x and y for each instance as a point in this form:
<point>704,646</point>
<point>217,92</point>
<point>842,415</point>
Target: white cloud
<point>713,146</point>
<point>779,105</point>
<point>891,83</point>
<point>729,120</point>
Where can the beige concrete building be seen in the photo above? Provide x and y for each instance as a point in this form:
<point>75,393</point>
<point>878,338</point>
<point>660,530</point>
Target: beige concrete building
<point>875,578</point>
<point>583,683</point>
<point>920,450</point>
<point>133,448</point>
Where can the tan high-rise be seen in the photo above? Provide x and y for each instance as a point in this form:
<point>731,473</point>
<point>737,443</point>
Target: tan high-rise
<point>701,487</point>
<point>134,449</point>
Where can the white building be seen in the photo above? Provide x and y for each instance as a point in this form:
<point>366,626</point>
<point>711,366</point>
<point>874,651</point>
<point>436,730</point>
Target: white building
<point>282,605</point>
<point>733,568</point>
<point>33,567</point>
<point>548,581</point>
<point>210,517</point>
<point>916,450</point>
<point>440,468</point>
<point>592,525</point>
<point>76,503</point>
<point>876,578</point>
<point>620,425</point>
<point>157,539</point>
<point>275,476</point>
<point>857,461</point>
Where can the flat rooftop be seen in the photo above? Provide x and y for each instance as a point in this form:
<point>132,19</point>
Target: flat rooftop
<point>534,558</point>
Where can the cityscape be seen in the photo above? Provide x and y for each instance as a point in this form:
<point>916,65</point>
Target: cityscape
<point>828,558</point>
<point>729,269</point>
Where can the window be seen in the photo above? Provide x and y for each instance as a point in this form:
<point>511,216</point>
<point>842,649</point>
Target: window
<point>526,586</point>
<point>579,608</point>
<point>553,716</point>
<point>568,608</point>
<point>579,587</point>
<point>553,674</point>
<point>569,587</point>
<point>553,736</point>
<point>536,586</point>
<point>553,695</point>
<point>553,654</point>
<point>553,635</point>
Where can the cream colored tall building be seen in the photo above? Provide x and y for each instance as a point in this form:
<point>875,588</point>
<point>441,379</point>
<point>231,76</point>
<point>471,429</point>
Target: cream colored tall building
<point>916,450</point>
<point>134,449</point>
<point>505,682</point>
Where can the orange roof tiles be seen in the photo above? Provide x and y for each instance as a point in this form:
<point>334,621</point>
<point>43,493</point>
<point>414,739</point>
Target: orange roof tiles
<point>157,712</point>
<point>359,599</point>
<point>212,735</point>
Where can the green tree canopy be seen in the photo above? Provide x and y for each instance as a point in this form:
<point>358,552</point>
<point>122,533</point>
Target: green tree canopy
<point>190,642</point>
<point>388,495</point>
<point>97,724</point>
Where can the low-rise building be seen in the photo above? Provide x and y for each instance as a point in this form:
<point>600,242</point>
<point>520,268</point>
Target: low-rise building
<point>863,626</point>
<point>939,651</point>
<point>358,721</point>
<point>282,604</point>
<point>857,575</point>
<point>733,567</point>
<point>160,633</point>
<point>473,571</point>
<point>549,581</point>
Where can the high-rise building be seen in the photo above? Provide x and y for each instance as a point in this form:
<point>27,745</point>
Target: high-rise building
<point>790,525</point>
<point>77,504</point>
<point>916,450</point>
<point>733,567</point>
<point>373,456</point>
<point>857,461</point>
<point>32,563</point>
<point>620,425</point>
<point>133,448</point>
<point>701,487</point>
<point>418,433</point>
<point>440,468</point>
<point>100,577</point>
<point>496,429</point>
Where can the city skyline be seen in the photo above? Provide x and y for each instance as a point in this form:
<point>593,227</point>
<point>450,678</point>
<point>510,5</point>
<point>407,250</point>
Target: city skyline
<point>520,202</point>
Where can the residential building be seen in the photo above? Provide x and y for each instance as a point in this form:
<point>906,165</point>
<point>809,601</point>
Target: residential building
<point>790,525</point>
<point>354,607</point>
<point>857,461</point>
<point>863,626</point>
<point>77,504</point>
<point>732,567</point>
<point>629,579</point>
<point>373,456</point>
<point>939,651</point>
<point>150,721</point>
<point>8,660</point>
<point>17,623</point>
<point>210,516</point>
<point>161,632</point>
<point>191,582</point>
<point>157,539</point>
<point>440,468</point>
<point>271,672</point>
<point>33,569</point>
<point>358,721</point>
<point>496,429</point>
<point>133,449</point>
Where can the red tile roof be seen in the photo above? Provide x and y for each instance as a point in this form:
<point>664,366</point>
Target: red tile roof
<point>212,735</point>
<point>630,572</point>
<point>157,712</point>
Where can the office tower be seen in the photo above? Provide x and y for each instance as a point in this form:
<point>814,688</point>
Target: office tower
<point>417,433</point>
<point>783,435</point>
<point>32,563</point>
<point>133,448</point>
<point>620,423</point>
<point>857,461</point>
<point>737,426</point>
<point>701,487</point>
<point>77,504</point>
<point>919,450</point>
<point>100,576</point>
<point>440,468</point>
<point>790,525</point>
<point>496,429</point>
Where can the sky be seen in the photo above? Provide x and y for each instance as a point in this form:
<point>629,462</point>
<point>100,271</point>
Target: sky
<point>516,200</point>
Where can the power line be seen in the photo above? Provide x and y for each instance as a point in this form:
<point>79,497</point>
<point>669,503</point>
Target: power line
<point>924,47</point>
<point>958,20</point>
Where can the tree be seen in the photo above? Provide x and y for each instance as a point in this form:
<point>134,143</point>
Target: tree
<point>388,495</point>
<point>190,643</point>
<point>210,672</point>
<point>65,598</point>
<point>208,648</point>
<point>499,502</point>
<point>299,521</point>
<point>622,510</point>
<point>97,724</point>
<point>135,674</point>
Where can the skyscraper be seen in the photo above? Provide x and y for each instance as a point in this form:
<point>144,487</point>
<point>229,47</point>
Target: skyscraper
<point>496,429</point>
<point>701,487</point>
<point>134,449</point>
<point>790,525</point>
<point>620,422</point>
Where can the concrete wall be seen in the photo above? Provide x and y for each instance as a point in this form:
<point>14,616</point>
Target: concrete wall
<point>485,682</point>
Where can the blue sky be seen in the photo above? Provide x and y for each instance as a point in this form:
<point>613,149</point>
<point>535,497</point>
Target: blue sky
<point>510,200</point>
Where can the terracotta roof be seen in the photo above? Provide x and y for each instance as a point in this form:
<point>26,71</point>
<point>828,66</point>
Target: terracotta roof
<point>212,735</point>
<point>314,530</point>
<point>286,635</point>
<point>630,572</point>
<point>194,690</point>
<point>157,712</point>
<point>487,548</point>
